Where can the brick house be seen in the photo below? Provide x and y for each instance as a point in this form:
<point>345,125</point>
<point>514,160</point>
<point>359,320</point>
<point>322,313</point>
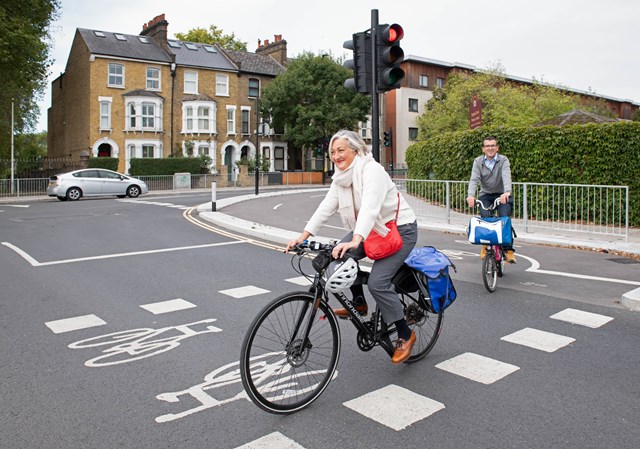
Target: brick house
<point>131,96</point>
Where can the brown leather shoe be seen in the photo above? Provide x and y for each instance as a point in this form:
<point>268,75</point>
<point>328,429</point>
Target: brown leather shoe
<point>483,252</point>
<point>362,309</point>
<point>403,349</point>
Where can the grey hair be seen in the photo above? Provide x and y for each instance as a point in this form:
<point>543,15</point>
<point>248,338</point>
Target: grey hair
<point>354,141</point>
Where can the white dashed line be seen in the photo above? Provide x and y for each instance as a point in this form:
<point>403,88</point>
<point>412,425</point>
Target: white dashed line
<point>171,305</point>
<point>592,320</point>
<point>243,292</point>
<point>273,440</point>
<point>478,368</point>
<point>537,339</point>
<point>74,324</point>
<point>394,406</point>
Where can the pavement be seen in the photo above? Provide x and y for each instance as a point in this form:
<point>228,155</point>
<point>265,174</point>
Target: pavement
<point>629,247</point>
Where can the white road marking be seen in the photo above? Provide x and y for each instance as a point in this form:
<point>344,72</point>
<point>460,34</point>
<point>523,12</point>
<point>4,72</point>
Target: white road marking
<point>171,305</point>
<point>477,368</point>
<point>535,268</point>
<point>592,320</point>
<point>537,339</point>
<point>300,280</point>
<point>75,323</point>
<point>277,206</point>
<point>394,406</point>
<point>243,292</point>
<point>16,205</point>
<point>35,263</point>
<point>273,440</point>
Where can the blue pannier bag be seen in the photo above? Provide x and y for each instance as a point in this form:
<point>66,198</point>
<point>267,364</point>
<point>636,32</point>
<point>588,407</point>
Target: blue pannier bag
<point>490,231</point>
<point>433,276</point>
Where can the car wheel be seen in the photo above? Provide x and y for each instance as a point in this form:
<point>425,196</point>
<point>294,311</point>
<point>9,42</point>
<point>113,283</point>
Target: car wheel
<point>133,191</point>
<point>62,198</point>
<point>74,194</point>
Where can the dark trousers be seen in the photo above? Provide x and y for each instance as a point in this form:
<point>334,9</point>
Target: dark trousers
<point>503,210</point>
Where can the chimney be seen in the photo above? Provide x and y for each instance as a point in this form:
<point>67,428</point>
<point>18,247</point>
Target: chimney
<point>277,50</point>
<point>157,29</point>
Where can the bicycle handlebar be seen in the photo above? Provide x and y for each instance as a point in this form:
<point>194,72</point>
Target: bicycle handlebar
<point>495,204</point>
<point>313,246</point>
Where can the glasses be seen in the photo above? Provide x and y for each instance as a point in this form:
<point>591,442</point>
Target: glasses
<point>491,146</point>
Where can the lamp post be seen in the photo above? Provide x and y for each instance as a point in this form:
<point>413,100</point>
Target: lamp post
<point>257,144</point>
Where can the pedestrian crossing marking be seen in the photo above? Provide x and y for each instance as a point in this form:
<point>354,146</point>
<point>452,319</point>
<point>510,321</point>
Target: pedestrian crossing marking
<point>537,339</point>
<point>273,440</point>
<point>171,305</point>
<point>300,280</point>
<point>394,406</point>
<point>243,292</point>
<point>592,320</point>
<point>74,323</point>
<point>477,368</point>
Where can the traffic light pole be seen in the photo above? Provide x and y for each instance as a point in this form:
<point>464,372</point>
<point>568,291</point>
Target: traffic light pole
<point>375,109</point>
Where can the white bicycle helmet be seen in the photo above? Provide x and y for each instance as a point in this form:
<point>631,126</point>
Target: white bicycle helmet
<point>340,275</point>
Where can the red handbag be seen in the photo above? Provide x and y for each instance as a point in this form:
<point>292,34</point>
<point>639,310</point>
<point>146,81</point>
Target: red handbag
<point>378,247</point>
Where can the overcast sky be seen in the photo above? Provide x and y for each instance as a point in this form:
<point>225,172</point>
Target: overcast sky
<point>581,44</point>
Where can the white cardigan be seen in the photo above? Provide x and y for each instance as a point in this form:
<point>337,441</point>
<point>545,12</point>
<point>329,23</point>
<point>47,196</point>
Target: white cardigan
<point>379,198</point>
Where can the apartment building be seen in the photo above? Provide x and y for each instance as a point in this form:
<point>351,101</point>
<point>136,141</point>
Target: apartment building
<point>401,107</point>
<point>136,96</point>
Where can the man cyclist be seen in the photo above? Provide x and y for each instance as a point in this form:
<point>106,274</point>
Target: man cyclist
<point>493,172</point>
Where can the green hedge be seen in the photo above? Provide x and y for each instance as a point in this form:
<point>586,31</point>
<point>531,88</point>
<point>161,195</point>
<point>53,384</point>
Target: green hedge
<point>110,163</point>
<point>600,154</point>
<point>168,166</point>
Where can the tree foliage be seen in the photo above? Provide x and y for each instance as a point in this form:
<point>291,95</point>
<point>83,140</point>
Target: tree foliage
<point>504,103</point>
<point>25,46</point>
<point>213,35</point>
<point>309,101</point>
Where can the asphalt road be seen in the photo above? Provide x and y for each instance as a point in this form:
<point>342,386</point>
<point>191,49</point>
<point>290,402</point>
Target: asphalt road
<point>121,323</point>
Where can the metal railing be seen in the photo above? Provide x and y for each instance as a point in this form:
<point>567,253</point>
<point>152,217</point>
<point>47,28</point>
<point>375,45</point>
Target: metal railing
<point>576,208</point>
<point>572,208</point>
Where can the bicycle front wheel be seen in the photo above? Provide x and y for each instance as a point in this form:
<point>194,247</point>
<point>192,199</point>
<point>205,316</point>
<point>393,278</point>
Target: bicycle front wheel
<point>489,272</point>
<point>282,372</point>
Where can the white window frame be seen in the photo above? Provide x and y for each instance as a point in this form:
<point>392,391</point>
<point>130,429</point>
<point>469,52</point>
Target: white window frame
<point>134,149</point>
<point>115,76</point>
<point>105,115</point>
<point>440,83</point>
<point>424,81</point>
<point>245,111</point>
<point>137,117</point>
<point>193,122</point>
<point>222,85</point>
<point>190,85</point>
<point>413,101</point>
<point>231,120</point>
<point>154,83</point>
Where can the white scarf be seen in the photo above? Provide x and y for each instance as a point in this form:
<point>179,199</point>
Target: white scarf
<point>350,184</point>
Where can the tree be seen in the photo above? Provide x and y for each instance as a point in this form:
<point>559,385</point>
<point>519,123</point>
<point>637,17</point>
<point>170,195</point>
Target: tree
<point>213,35</point>
<point>309,102</point>
<point>25,46</point>
<point>503,103</point>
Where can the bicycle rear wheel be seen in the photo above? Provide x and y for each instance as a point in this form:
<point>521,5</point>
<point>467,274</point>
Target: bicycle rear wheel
<point>280,372</point>
<point>489,272</point>
<point>426,325</point>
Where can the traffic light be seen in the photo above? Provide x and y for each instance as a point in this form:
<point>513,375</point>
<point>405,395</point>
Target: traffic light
<point>390,55</point>
<point>360,64</point>
<point>388,137</point>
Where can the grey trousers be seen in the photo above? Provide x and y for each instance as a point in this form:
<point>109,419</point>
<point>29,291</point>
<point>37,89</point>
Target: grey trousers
<point>383,270</point>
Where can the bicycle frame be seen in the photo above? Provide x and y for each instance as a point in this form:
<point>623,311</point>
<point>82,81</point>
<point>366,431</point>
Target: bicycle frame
<point>378,335</point>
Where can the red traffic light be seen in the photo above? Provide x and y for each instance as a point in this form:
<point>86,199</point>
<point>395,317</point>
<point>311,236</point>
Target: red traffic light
<point>392,33</point>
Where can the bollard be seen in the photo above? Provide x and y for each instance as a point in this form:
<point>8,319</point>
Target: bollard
<point>213,196</point>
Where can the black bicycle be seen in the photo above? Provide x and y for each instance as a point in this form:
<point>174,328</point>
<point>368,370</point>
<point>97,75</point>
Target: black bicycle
<point>291,349</point>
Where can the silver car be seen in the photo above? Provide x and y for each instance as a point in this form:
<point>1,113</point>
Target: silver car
<point>94,182</point>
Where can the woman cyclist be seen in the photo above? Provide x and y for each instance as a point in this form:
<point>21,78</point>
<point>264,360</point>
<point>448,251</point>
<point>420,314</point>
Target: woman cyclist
<point>364,196</point>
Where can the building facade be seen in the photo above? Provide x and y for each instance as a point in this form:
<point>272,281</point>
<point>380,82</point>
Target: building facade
<point>147,96</point>
<point>423,76</point>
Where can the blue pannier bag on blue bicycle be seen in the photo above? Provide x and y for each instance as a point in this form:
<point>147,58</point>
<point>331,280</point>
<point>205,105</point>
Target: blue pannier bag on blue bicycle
<point>490,231</point>
<point>433,277</point>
